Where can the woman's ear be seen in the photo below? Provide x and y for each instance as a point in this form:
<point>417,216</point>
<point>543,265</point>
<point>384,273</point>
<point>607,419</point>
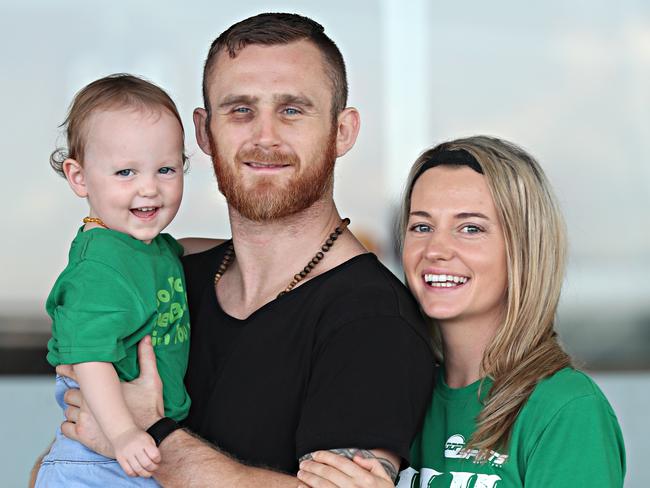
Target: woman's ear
<point>74,173</point>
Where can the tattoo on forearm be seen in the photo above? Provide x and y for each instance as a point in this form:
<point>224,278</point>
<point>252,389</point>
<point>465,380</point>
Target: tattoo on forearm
<point>350,452</point>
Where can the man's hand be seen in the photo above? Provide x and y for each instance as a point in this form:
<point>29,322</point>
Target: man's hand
<point>143,396</point>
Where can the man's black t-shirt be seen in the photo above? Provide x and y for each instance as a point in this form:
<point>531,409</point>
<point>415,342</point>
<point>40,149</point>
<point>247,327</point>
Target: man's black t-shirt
<point>341,361</point>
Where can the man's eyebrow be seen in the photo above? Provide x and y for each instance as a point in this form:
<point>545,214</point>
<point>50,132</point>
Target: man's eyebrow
<point>237,99</point>
<point>287,99</point>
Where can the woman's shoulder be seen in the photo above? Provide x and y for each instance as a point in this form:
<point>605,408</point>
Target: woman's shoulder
<point>567,434</point>
<point>565,385</point>
<point>567,390</point>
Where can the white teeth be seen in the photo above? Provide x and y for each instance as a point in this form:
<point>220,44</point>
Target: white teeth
<point>444,281</point>
<point>146,209</point>
<point>265,165</point>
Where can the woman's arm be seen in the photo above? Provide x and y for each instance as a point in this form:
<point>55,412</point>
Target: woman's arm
<point>581,446</point>
<point>329,470</point>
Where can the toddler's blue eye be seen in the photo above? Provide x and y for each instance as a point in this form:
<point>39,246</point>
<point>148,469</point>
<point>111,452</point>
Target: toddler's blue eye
<point>166,170</point>
<point>124,172</point>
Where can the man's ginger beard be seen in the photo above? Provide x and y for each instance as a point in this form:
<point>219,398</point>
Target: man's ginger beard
<point>266,200</point>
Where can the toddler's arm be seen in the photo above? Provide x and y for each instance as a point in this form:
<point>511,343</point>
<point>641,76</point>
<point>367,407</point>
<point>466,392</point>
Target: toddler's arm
<point>135,450</point>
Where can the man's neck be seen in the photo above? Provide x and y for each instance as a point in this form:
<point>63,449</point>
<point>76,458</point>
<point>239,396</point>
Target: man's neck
<point>269,254</point>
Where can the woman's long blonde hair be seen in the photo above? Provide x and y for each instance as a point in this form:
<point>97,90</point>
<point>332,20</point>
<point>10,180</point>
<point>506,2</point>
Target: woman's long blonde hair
<point>525,348</point>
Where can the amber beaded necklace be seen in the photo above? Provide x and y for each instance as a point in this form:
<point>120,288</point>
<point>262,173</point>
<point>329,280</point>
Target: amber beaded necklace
<point>230,255</point>
<point>94,220</point>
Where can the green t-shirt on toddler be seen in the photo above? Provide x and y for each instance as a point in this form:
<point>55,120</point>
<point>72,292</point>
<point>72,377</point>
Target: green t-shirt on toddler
<point>114,291</point>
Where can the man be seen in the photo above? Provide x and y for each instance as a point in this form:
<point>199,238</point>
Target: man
<point>301,340</point>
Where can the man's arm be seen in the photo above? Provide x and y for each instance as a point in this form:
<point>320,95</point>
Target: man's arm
<point>194,245</point>
<point>186,459</point>
<point>189,461</point>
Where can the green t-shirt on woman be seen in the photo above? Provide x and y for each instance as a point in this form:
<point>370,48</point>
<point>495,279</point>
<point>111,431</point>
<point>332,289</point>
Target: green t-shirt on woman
<point>114,291</point>
<point>566,435</point>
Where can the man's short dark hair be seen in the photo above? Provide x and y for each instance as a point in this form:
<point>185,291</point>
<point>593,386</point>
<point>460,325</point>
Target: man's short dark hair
<point>271,29</point>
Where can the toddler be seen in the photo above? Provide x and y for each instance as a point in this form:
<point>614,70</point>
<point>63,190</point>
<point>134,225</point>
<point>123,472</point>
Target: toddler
<point>124,279</point>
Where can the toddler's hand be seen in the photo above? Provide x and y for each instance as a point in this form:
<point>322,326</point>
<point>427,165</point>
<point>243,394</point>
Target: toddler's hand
<point>136,452</point>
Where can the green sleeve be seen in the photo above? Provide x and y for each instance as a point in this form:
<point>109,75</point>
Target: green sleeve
<point>93,311</point>
<point>581,446</point>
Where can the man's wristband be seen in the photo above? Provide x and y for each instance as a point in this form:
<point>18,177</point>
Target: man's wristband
<point>161,429</point>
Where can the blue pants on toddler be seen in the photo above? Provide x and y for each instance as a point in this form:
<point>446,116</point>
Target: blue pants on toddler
<point>70,464</point>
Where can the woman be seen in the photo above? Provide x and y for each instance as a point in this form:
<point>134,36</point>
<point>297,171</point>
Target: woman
<point>484,253</point>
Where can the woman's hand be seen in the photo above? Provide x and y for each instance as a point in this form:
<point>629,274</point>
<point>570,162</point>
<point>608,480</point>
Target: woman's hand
<point>330,470</point>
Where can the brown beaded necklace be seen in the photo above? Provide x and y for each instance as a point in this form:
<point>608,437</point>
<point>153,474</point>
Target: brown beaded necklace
<point>230,255</point>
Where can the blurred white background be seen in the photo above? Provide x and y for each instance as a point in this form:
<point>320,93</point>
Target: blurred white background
<point>567,80</point>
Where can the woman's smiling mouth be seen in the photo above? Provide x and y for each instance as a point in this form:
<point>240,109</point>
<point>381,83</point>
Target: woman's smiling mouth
<point>444,280</point>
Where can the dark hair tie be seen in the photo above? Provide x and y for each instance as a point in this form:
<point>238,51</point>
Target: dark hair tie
<point>447,157</point>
